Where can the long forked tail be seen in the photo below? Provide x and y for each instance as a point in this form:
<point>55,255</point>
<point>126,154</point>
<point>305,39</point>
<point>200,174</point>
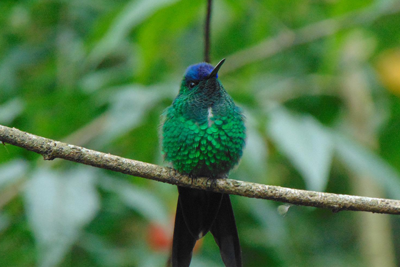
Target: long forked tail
<point>197,213</point>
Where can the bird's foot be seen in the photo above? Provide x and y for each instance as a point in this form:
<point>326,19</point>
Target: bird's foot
<point>211,182</point>
<point>191,177</point>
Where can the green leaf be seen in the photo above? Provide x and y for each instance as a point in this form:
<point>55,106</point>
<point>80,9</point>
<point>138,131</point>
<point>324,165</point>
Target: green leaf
<point>129,107</point>
<point>5,221</point>
<point>255,153</point>
<point>12,172</point>
<point>11,109</point>
<point>306,143</point>
<point>130,16</point>
<point>367,163</point>
<point>16,58</point>
<point>59,205</point>
<point>141,200</point>
<point>324,108</point>
<point>272,224</point>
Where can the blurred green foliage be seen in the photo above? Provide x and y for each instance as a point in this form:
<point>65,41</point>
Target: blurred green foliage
<point>321,113</point>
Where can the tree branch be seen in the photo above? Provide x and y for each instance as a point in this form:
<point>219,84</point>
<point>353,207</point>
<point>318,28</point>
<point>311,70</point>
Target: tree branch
<point>51,149</point>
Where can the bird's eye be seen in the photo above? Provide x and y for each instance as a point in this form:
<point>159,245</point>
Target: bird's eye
<point>192,84</point>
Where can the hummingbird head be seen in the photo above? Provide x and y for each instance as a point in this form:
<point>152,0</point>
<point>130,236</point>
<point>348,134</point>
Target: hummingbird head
<point>200,92</point>
<point>201,78</point>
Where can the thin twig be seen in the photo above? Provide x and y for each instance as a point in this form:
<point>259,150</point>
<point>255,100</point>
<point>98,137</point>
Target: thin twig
<point>51,149</point>
<point>207,32</point>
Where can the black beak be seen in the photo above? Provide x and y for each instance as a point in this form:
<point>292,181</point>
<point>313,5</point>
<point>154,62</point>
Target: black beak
<point>216,69</point>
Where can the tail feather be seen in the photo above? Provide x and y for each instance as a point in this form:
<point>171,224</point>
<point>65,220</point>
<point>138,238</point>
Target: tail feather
<point>199,209</point>
<point>226,236</point>
<point>183,242</point>
<point>197,213</point>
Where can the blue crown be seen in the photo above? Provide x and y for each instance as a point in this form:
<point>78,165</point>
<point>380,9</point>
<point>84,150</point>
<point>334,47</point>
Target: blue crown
<point>198,71</point>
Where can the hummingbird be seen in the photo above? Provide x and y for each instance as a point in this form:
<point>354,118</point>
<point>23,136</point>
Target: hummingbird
<point>203,135</point>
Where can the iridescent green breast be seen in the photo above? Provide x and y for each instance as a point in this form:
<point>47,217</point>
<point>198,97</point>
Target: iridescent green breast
<point>209,148</point>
